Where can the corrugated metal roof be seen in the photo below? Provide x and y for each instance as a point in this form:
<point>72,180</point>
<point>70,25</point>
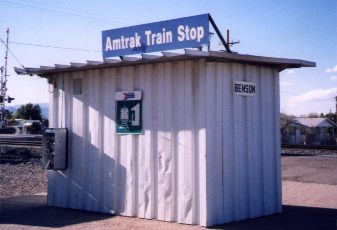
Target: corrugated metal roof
<point>279,63</point>
<point>315,122</point>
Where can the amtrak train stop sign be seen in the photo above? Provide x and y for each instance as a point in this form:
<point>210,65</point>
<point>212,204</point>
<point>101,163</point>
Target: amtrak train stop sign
<point>129,112</point>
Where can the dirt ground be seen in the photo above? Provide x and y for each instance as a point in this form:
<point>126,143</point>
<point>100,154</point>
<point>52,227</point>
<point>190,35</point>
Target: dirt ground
<point>305,206</point>
<point>309,195</point>
<point>307,169</point>
<point>309,188</point>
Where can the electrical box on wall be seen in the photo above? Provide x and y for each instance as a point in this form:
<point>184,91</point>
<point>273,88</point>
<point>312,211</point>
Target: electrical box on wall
<point>54,149</point>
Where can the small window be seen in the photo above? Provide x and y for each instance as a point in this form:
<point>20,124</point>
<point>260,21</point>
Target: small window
<point>77,86</point>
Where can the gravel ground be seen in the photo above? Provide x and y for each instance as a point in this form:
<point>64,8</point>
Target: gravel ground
<point>21,172</point>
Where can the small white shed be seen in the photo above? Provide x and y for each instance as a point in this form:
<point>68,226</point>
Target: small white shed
<point>209,151</point>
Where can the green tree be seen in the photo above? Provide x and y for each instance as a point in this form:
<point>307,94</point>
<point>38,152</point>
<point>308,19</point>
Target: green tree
<point>285,121</point>
<point>313,115</point>
<point>35,127</point>
<point>331,116</point>
<point>9,115</point>
<point>28,112</point>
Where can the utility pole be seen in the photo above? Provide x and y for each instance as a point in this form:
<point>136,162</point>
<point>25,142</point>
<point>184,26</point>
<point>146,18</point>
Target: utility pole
<point>3,87</point>
<point>336,111</point>
<point>228,42</point>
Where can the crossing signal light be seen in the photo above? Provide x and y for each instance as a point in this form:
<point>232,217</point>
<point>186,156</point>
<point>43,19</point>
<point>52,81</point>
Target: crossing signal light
<point>10,99</point>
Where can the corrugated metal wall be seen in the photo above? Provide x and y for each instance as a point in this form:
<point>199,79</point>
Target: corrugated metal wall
<point>205,157</point>
<point>243,144</point>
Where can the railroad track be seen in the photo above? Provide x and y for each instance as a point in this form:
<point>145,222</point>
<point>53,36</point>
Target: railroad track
<point>332,147</point>
<point>309,150</point>
<point>21,140</point>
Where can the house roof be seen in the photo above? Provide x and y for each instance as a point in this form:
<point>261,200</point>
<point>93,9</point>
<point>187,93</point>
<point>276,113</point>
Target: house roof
<point>279,63</point>
<point>316,122</point>
<point>23,122</point>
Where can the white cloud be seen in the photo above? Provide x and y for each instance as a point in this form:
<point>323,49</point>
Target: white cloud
<point>332,69</point>
<point>315,95</point>
<point>310,101</point>
<point>291,71</point>
<point>333,78</point>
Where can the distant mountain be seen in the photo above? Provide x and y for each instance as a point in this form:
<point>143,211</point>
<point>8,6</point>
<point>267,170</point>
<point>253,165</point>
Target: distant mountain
<point>44,109</point>
<point>12,108</point>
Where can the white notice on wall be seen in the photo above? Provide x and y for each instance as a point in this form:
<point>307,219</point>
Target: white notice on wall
<point>244,88</point>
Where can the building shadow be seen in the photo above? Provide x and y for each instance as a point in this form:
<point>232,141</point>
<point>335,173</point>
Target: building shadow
<point>80,187</point>
<point>292,217</point>
<point>32,210</point>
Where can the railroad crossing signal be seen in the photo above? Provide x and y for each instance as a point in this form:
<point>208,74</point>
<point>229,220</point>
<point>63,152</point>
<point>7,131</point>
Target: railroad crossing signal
<point>10,99</point>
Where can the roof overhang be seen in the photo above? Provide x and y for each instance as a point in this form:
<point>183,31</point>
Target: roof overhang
<point>218,56</point>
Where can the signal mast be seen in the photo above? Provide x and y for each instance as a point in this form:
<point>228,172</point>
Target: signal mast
<point>3,88</point>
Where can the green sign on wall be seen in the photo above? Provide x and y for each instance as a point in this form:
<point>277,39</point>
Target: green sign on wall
<point>129,112</point>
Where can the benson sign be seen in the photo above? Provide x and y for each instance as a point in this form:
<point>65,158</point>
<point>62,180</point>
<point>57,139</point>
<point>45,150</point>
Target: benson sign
<point>244,88</point>
<point>189,32</point>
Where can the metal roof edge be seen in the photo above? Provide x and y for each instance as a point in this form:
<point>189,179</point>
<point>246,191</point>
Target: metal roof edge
<point>280,63</point>
<point>290,63</point>
<point>196,53</point>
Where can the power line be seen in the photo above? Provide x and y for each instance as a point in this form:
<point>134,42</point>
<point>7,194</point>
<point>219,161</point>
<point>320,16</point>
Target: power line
<point>54,47</point>
<point>10,51</point>
<point>72,13</point>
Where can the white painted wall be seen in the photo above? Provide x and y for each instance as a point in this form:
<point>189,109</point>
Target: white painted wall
<point>205,157</point>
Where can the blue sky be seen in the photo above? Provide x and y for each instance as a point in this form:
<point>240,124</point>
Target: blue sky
<point>301,29</point>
